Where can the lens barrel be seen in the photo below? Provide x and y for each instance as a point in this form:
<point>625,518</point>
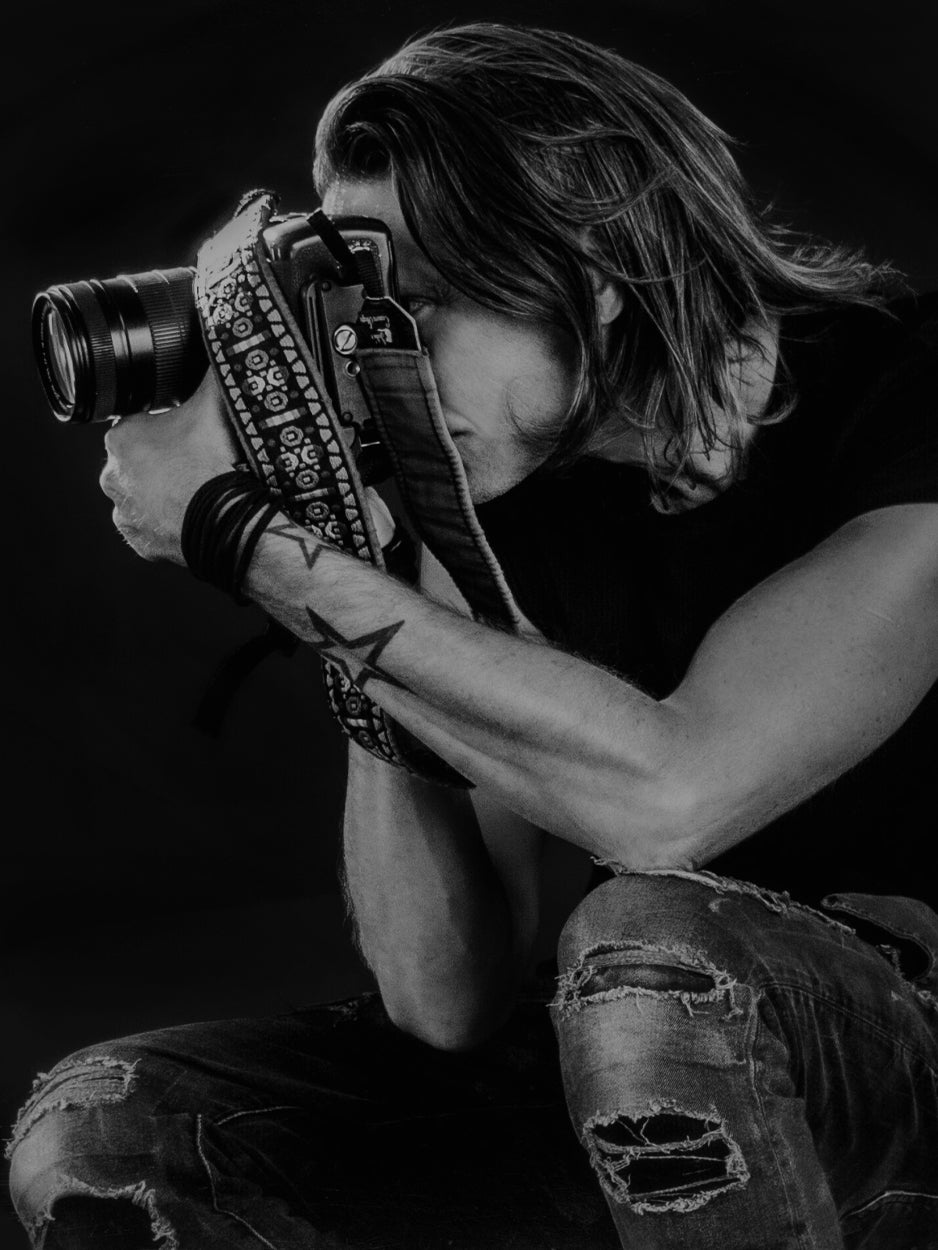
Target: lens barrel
<point>127,344</point>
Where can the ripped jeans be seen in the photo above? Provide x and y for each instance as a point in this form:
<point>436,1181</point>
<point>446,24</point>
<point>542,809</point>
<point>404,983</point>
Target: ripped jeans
<point>740,1072</point>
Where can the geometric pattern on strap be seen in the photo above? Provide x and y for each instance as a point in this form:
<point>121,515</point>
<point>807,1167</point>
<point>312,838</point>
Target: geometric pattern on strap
<point>291,438</point>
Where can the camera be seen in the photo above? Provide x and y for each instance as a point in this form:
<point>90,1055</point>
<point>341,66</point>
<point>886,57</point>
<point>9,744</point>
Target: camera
<point>133,343</point>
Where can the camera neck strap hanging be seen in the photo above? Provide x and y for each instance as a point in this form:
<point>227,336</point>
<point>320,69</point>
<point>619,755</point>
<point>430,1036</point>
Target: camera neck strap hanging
<point>294,442</point>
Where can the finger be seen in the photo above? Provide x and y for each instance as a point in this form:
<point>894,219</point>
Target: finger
<point>380,516</point>
<point>136,541</point>
<point>116,434</point>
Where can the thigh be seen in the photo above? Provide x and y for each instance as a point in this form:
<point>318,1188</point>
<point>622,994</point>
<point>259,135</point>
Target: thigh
<point>877,1128</point>
<point>737,1064</point>
<point>324,1127</point>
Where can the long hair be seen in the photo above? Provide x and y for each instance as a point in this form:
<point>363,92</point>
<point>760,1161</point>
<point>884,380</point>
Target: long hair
<point>528,162</point>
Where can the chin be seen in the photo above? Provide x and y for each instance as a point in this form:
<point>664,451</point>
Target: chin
<point>483,495</point>
<point>483,491</point>
<point>489,476</point>
<point>483,485</point>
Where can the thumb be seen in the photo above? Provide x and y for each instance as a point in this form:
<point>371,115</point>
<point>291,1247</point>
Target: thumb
<point>380,516</point>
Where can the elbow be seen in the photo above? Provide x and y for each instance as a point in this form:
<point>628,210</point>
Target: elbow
<point>672,839</point>
<point>449,1026</point>
<point>687,821</point>
<point>448,1039</point>
<point>649,825</point>
<point>677,805</point>
<point>629,799</point>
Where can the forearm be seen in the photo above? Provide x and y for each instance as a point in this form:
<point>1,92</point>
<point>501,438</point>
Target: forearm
<point>432,916</point>
<point>574,749</point>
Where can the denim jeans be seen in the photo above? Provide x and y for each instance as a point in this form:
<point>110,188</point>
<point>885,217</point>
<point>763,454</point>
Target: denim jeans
<point>739,1070</point>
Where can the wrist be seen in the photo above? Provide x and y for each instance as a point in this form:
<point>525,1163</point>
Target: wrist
<point>222,525</point>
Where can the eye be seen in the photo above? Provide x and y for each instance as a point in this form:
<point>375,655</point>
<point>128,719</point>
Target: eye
<point>417,305</point>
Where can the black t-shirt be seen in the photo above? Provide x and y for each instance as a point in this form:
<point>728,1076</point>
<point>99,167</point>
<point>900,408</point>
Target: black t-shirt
<point>603,574</point>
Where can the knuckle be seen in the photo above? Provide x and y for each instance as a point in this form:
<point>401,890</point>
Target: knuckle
<point>122,522</point>
<point>108,481</point>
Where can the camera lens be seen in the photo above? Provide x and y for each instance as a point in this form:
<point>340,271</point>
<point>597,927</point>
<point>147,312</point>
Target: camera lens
<point>127,344</point>
<point>59,355</point>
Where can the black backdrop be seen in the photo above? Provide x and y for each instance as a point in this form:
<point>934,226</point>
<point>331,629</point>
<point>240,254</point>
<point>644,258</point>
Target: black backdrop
<point>152,875</point>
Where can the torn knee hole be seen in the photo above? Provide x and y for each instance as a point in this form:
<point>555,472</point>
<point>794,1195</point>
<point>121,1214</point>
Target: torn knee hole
<point>74,1083</point>
<point>663,1129</point>
<point>128,1210</point>
<point>665,1160</point>
<point>611,971</point>
<point>100,1217</point>
<point>607,972</point>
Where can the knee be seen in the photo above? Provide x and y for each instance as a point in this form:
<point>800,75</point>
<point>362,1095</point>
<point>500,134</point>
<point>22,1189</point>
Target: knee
<point>647,933</point>
<point>64,1128</point>
<point>653,1022</point>
<point>607,909</point>
<point>640,904</point>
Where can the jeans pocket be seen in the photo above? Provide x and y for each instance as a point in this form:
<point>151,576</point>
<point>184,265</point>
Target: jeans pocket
<point>904,929</point>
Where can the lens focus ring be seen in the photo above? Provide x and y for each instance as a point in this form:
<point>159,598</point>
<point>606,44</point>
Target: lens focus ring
<point>169,310</point>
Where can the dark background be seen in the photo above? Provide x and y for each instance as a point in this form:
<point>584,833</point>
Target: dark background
<point>154,876</point>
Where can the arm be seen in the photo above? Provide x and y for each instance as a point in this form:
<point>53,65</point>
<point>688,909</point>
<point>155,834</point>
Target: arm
<point>809,672</point>
<point>796,683</point>
<point>524,721</point>
<point>444,889</point>
<point>446,926</point>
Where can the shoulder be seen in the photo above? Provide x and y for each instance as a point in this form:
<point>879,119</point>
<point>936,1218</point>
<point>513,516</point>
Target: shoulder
<point>856,349</point>
<point>865,382</point>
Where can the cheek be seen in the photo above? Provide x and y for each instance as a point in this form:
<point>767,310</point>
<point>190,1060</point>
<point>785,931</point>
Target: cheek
<point>466,366</point>
<point>539,378</point>
<point>539,390</point>
<point>489,368</point>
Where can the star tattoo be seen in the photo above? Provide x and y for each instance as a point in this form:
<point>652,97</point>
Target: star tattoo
<point>375,642</point>
<point>311,548</point>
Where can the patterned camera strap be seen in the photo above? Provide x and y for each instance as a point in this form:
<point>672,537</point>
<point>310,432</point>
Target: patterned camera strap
<point>293,441</point>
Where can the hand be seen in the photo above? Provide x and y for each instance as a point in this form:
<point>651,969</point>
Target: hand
<point>155,464</point>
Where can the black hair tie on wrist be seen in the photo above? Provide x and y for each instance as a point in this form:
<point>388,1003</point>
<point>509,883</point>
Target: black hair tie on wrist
<point>222,526</point>
<point>223,523</point>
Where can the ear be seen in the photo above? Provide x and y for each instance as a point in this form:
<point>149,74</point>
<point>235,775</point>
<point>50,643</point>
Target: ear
<point>608,298</point>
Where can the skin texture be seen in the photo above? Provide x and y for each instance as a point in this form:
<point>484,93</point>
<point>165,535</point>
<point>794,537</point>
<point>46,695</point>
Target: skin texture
<point>802,677</point>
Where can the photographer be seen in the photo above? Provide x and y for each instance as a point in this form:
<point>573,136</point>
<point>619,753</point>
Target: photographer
<point>703,452</point>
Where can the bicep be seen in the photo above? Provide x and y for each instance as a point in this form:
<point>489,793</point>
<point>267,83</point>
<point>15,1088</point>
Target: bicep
<point>809,672</point>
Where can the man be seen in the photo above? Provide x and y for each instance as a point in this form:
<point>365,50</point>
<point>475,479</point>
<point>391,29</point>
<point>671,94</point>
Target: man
<point>704,456</point>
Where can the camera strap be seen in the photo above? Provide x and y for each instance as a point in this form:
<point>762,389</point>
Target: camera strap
<point>431,480</point>
<point>293,440</point>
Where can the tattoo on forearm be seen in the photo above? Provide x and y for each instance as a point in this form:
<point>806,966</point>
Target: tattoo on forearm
<point>330,641</point>
<point>361,668</point>
<point>311,547</point>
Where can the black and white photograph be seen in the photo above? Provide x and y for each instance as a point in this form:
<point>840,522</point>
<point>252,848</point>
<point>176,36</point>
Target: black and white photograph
<point>472,570</point>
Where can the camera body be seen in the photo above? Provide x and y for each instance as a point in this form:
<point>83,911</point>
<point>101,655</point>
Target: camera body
<point>326,289</point>
<point>134,343</point>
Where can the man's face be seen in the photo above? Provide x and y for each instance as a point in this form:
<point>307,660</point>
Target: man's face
<point>494,372</point>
